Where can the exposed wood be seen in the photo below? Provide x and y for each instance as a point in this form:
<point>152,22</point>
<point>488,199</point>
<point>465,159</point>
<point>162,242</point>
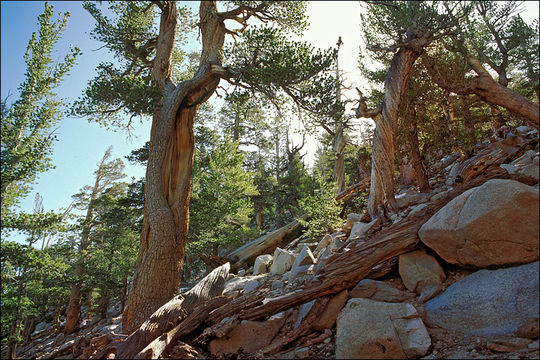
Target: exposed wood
<point>494,154</point>
<point>166,341</point>
<point>173,312</point>
<point>264,244</point>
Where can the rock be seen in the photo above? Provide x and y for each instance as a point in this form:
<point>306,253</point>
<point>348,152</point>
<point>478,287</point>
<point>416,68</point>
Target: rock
<point>351,219</point>
<point>323,257</point>
<point>493,224</point>
<point>41,326</point>
<point>360,229</point>
<point>535,345</point>
<point>330,314</point>
<point>421,273</point>
<point>508,344</point>
<point>301,353</point>
<point>283,260</point>
<point>242,272</point>
<point>417,209</point>
<point>276,284</point>
<point>301,270</point>
<point>248,337</point>
<point>262,263</point>
<point>487,303</point>
<point>232,287</point>
<point>406,200</point>
<point>525,159</point>
<point>368,329</point>
<point>523,129</point>
<point>251,285</point>
<point>529,330</point>
<point>511,169</point>
<point>325,241</point>
<point>439,195</point>
<point>378,291</point>
<point>531,170</point>
<point>303,310</point>
<point>304,258</point>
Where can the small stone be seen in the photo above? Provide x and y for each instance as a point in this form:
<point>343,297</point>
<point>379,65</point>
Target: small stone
<point>302,353</point>
<point>304,258</point>
<point>262,263</point>
<point>327,340</point>
<point>533,346</point>
<point>325,241</point>
<point>251,285</point>
<point>242,272</point>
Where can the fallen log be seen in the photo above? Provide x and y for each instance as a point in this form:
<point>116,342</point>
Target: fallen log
<point>494,154</point>
<point>263,245</point>
<point>166,341</point>
<point>173,312</point>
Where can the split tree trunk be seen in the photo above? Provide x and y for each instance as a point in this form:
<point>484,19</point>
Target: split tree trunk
<point>168,176</point>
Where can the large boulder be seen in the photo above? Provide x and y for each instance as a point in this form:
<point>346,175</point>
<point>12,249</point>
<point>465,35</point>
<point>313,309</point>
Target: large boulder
<point>368,329</point>
<point>493,224</point>
<point>262,263</point>
<point>283,261</point>
<point>488,303</point>
<point>421,273</point>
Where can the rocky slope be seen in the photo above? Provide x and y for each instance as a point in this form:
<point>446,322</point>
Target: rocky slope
<point>454,275</point>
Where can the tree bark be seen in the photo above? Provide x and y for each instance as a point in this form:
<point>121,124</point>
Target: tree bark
<point>339,161</point>
<point>168,175</point>
<point>381,199</point>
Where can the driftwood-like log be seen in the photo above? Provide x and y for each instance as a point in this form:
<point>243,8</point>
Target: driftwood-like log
<point>173,312</point>
<point>263,245</point>
<point>166,341</point>
<point>494,154</point>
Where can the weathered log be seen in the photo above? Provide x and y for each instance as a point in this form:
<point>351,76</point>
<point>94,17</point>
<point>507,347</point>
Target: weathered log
<point>493,154</point>
<point>264,244</point>
<point>166,341</point>
<point>173,312</point>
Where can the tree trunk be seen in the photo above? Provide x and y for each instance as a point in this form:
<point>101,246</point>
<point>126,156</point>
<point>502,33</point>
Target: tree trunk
<point>104,303</point>
<point>168,175</point>
<point>339,161</point>
<point>74,307</point>
<point>381,199</point>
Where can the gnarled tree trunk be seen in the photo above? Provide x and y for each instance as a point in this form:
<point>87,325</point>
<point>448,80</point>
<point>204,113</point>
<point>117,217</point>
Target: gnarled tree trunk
<point>166,220</point>
<point>381,199</point>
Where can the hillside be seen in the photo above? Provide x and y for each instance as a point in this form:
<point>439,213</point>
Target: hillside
<point>453,275</point>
